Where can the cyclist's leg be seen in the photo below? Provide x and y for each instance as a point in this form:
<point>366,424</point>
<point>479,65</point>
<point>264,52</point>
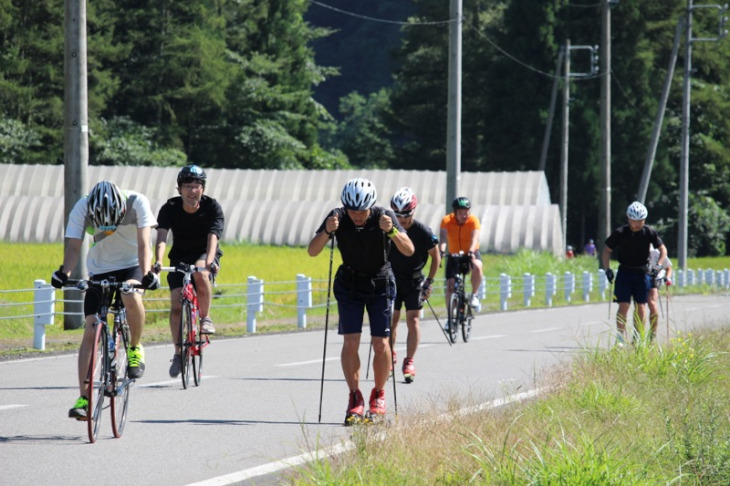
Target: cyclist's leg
<point>175,310</point>
<point>135,316</point>
<point>203,288</point>
<point>477,273</point>
<point>85,350</point>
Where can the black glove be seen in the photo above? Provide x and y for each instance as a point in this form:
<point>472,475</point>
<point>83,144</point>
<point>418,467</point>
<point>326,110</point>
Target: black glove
<point>609,275</point>
<point>59,278</point>
<point>151,281</point>
<point>157,267</point>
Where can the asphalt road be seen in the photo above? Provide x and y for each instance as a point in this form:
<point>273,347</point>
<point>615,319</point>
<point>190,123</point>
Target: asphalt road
<point>258,403</point>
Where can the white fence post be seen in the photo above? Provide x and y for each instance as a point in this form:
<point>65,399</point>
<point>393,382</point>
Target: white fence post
<point>602,283</point>
<point>680,278</point>
<point>304,299</point>
<point>549,288</point>
<point>529,288</point>
<point>255,302</point>
<point>587,285</point>
<point>690,277</point>
<point>505,290</point>
<point>569,279</point>
<point>44,298</point>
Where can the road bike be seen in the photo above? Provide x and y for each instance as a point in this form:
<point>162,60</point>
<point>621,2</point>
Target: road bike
<point>190,338</point>
<point>107,373</point>
<point>460,313</point>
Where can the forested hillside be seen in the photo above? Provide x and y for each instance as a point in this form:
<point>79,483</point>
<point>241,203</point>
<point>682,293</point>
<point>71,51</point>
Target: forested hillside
<point>335,83</point>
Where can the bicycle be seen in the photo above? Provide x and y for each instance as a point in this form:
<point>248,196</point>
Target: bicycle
<point>460,313</point>
<point>190,338</point>
<point>107,375</point>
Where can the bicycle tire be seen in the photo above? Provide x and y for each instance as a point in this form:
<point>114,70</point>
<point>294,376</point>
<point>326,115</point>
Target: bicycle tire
<point>186,348</point>
<point>466,318</point>
<point>120,382</point>
<point>96,380</point>
<point>197,353</point>
<point>454,317</point>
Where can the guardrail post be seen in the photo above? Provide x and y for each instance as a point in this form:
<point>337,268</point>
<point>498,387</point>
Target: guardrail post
<point>255,302</point>
<point>709,277</point>
<point>690,277</point>
<point>602,283</point>
<point>549,288</point>
<point>44,298</point>
<point>569,285</point>
<point>529,288</point>
<point>505,290</point>
<point>726,273</point>
<point>587,285</point>
<point>304,299</point>
<point>679,278</point>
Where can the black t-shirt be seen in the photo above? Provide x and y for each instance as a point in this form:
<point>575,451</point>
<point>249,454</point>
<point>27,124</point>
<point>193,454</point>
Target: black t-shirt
<point>405,267</point>
<point>363,249</point>
<point>633,247</point>
<point>190,230</point>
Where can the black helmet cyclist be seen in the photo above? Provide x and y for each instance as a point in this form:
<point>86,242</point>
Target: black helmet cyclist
<point>191,173</point>
<point>461,203</point>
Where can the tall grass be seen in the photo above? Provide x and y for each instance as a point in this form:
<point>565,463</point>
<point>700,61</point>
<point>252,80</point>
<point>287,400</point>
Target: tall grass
<point>641,416</point>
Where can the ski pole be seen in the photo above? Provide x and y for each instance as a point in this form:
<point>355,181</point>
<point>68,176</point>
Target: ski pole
<point>389,302</point>
<point>448,340</point>
<point>367,368</point>
<point>326,325</point>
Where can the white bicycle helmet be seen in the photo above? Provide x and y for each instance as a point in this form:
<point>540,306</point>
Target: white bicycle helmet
<point>106,206</point>
<point>636,211</point>
<point>404,201</point>
<point>359,194</point>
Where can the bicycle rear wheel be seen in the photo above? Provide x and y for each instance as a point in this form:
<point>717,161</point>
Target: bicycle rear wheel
<point>96,381</point>
<point>454,304</point>
<point>186,349</point>
<point>120,382</point>
<point>197,353</point>
<point>466,318</point>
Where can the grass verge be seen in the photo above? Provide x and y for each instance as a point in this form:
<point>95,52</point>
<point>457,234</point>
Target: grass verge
<point>640,416</point>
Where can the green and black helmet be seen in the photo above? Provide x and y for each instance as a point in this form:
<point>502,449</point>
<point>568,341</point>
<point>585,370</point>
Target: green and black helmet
<point>461,203</point>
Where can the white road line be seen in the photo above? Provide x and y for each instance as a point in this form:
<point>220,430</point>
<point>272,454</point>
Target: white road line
<point>169,382</point>
<point>287,463</point>
<point>493,336</point>
<point>547,329</point>
<point>9,407</point>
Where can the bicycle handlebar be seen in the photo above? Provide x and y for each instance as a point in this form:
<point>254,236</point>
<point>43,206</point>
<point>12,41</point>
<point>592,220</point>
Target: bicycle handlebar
<point>187,268</point>
<point>83,284</point>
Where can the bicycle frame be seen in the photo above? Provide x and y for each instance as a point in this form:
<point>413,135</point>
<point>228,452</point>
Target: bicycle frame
<point>459,310</point>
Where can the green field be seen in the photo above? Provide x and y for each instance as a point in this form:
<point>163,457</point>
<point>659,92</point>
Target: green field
<point>22,264</point>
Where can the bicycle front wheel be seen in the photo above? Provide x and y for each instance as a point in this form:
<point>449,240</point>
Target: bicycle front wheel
<point>466,318</point>
<point>186,349</point>
<point>96,381</point>
<point>197,353</point>
<point>454,304</point>
<point>120,382</point>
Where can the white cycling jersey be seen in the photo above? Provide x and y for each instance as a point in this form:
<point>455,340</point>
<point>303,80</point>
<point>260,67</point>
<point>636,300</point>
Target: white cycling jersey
<point>118,250</point>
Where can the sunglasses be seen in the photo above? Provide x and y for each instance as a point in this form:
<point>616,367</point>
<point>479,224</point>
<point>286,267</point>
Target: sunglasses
<point>404,215</point>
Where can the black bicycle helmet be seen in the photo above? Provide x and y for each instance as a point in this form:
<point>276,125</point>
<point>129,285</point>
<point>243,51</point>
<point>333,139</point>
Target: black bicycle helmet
<point>461,203</point>
<point>191,173</point>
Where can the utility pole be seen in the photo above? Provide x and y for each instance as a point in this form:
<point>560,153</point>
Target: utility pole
<point>567,74</point>
<point>604,209</point>
<point>651,152</point>
<point>564,147</point>
<point>551,116</point>
<point>684,162</point>
<point>453,123</point>
<point>76,136</point>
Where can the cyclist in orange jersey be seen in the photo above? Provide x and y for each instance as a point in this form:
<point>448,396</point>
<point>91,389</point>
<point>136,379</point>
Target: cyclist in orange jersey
<point>461,230</point>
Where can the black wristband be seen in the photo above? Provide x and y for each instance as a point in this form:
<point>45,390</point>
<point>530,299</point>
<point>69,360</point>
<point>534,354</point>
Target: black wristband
<point>328,233</point>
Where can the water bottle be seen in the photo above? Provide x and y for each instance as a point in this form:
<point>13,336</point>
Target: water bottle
<point>110,346</point>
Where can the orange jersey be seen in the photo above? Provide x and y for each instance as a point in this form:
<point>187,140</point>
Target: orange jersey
<point>459,236</point>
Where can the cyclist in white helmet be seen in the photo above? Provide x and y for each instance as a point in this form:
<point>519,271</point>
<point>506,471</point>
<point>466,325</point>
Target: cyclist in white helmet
<point>120,222</point>
<point>408,270</point>
<point>632,242</point>
<point>365,234</point>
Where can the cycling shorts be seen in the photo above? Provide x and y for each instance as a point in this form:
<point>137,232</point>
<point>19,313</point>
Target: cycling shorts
<point>92,300</point>
<point>174,279</point>
<point>452,266</point>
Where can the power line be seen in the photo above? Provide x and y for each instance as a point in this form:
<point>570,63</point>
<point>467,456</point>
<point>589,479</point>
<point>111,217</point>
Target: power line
<point>384,21</point>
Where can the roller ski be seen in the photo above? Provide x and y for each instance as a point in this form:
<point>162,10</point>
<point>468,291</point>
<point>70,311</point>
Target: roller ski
<point>409,370</point>
<point>376,413</point>
<point>355,409</point>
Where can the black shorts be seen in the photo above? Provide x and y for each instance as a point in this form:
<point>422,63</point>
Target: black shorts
<point>92,300</point>
<point>408,292</point>
<point>174,279</point>
<point>462,266</point>
<point>356,294</point>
